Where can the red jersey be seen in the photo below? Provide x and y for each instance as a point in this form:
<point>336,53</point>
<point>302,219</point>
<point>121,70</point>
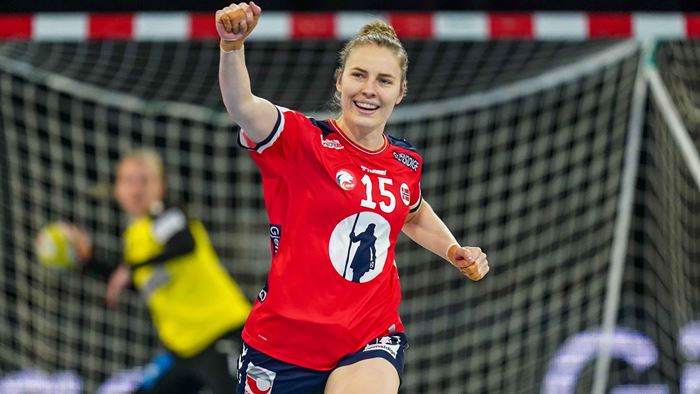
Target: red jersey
<point>335,211</point>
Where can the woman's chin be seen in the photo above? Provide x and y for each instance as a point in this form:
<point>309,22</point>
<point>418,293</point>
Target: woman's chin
<point>365,121</point>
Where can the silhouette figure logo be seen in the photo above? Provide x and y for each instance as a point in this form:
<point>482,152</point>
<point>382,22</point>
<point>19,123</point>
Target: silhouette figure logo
<point>358,246</point>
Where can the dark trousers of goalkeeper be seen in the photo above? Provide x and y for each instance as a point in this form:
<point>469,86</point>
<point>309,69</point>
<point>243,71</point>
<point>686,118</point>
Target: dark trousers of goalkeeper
<point>213,368</point>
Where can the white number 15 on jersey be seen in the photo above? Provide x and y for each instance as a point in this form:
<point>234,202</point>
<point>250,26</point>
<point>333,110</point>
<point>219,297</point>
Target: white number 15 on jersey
<point>388,202</point>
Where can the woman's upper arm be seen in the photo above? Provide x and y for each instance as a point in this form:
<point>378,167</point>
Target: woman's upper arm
<point>258,119</point>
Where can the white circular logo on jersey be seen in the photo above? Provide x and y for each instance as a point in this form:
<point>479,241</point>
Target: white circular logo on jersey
<point>345,179</point>
<point>405,194</point>
<point>359,245</point>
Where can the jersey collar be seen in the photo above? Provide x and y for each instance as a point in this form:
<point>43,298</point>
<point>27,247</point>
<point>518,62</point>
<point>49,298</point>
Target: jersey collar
<point>381,149</point>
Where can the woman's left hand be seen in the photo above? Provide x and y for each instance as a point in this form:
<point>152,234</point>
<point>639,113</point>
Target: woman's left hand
<point>469,260</point>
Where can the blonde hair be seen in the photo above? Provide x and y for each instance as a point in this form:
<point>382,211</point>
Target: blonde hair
<point>150,156</point>
<point>377,33</point>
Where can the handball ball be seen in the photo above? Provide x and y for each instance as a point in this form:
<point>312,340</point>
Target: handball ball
<point>55,248</point>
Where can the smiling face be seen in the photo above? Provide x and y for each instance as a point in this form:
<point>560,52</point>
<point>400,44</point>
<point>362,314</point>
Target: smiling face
<point>138,186</point>
<point>370,85</point>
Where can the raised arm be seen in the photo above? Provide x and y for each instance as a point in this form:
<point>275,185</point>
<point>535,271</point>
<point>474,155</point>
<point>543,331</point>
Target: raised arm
<point>428,230</point>
<point>255,115</point>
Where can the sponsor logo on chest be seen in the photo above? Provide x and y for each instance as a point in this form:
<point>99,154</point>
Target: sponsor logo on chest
<point>407,160</point>
<point>373,171</point>
<point>332,144</point>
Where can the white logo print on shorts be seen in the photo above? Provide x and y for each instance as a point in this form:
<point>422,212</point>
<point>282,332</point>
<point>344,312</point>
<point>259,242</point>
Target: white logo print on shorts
<point>389,344</point>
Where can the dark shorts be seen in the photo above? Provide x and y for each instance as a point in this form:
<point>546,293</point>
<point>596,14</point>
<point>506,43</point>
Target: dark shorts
<point>259,373</point>
<point>213,368</point>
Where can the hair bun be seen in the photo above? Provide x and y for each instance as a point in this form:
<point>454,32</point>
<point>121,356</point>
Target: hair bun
<point>378,28</point>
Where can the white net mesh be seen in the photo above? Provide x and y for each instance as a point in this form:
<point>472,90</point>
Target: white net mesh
<point>522,157</point>
<point>660,295</point>
<point>294,74</point>
<point>678,64</point>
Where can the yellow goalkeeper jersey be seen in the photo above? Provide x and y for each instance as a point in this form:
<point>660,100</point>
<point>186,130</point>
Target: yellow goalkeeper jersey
<point>191,297</point>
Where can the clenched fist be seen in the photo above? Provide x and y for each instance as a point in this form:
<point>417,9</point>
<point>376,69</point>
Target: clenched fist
<point>235,22</point>
<point>471,261</point>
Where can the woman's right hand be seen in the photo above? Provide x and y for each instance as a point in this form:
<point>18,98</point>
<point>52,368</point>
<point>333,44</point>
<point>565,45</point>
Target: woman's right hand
<point>235,22</point>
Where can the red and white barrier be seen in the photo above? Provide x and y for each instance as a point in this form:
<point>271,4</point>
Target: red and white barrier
<point>274,25</point>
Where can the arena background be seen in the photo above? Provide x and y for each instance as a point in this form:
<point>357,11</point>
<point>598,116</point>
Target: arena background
<point>563,143</point>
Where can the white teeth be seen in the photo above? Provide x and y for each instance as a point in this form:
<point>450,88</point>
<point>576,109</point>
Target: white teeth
<point>366,105</point>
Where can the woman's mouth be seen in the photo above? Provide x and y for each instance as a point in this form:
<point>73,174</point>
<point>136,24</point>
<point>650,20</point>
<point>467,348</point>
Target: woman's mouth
<point>366,108</point>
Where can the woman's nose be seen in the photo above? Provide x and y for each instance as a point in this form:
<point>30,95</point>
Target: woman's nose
<point>368,89</point>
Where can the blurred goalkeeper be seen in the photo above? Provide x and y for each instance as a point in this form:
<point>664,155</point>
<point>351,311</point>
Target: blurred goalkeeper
<point>338,193</point>
<point>197,308</point>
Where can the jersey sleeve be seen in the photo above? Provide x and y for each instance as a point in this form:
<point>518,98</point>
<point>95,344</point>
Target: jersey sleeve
<point>278,153</point>
<point>411,162</point>
<point>416,197</point>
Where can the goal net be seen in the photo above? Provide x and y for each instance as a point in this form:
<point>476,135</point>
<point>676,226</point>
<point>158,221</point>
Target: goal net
<point>524,146</point>
<point>660,295</point>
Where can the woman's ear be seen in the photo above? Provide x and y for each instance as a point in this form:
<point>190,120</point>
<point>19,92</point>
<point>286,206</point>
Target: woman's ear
<point>402,94</point>
<point>338,75</point>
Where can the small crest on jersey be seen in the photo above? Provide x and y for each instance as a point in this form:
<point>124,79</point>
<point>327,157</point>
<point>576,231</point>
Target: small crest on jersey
<point>405,194</point>
<point>333,144</point>
<point>407,160</point>
<point>258,380</point>
<point>345,179</point>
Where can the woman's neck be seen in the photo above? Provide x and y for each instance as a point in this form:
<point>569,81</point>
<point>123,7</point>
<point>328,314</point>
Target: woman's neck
<point>368,139</point>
